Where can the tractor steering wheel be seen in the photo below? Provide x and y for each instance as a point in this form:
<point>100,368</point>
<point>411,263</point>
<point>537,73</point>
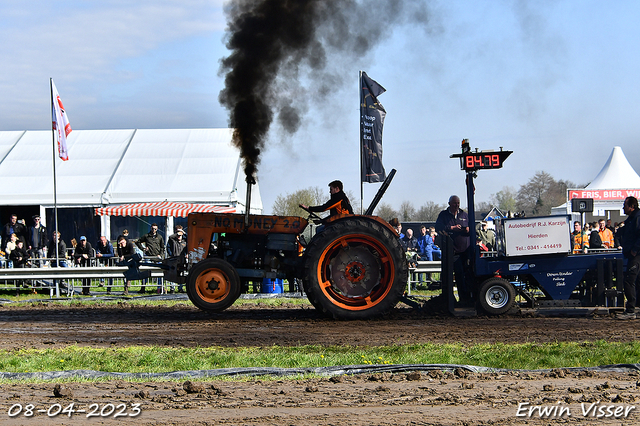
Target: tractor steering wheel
<point>312,215</point>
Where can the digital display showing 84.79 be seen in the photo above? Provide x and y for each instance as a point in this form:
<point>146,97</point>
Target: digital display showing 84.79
<point>484,160</point>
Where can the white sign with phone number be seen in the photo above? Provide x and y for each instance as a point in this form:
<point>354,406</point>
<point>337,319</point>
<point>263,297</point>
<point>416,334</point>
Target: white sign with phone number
<point>537,235</point>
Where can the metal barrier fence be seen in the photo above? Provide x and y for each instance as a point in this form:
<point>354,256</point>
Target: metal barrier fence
<point>100,276</point>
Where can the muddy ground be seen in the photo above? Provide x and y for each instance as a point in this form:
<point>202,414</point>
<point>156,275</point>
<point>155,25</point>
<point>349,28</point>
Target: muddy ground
<point>421,398</point>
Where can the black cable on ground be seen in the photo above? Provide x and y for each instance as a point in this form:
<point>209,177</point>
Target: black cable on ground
<point>321,371</point>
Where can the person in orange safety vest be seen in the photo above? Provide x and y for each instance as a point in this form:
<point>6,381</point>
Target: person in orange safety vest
<point>605,234</point>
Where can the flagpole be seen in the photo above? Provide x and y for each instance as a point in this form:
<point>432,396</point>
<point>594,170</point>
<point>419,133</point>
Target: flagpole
<point>360,143</point>
<point>55,189</point>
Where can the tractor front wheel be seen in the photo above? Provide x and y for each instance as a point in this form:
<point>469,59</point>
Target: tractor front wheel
<point>213,285</point>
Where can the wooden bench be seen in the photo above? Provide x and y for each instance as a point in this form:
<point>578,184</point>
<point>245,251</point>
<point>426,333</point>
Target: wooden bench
<point>423,267</point>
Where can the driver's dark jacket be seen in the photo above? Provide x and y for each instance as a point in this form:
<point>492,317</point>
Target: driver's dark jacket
<point>337,204</point>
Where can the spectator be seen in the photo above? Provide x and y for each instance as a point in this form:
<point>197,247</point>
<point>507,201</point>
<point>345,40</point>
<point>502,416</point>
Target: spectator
<point>13,227</point>
<point>630,237</point>
<point>483,247</point>
<point>61,260</point>
<point>38,240</point>
<point>11,245</point>
<point>427,250</point>
<point>411,246</point>
<point>454,222</point>
<point>410,242</point>
<point>152,245</point>
<point>126,249</point>
<point>435,248</point>
<point>487,236</point>
<point>617,234</point>
<point>398,227</point>
<point>606,236</point>
<point>579,239</point>
<point>595,242</point>
<point>104,252</point>
<point>176,243</point>
<point>19,257</point>
<point>82,254</point>
<point>177,246</point>
<point>180,228</point>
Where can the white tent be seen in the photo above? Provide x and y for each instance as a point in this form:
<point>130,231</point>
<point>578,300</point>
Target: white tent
<point>124,166</point>
<point>616,181</point>
<point>617,173</point>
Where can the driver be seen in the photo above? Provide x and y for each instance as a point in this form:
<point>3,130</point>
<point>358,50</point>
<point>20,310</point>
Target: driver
<point>337,204</point>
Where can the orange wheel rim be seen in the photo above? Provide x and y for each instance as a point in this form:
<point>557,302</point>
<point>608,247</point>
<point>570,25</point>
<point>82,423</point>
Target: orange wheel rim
<point>370,271</point>
<point>213,285</point>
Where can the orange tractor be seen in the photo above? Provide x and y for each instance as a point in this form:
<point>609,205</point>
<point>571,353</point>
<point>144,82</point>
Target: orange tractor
<point>353,268</point>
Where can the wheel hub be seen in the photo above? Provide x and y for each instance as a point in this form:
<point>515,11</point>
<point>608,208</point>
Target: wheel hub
<point>355,271</point>
<point>213,284</point>
<point>497,297</point>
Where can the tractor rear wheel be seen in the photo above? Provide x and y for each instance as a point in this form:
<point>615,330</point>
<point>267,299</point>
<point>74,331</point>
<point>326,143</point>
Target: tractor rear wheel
<point>213,285</point>
<point>355,269</point>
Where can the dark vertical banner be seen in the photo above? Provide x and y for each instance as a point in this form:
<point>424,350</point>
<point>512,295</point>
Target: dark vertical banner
<point>372,115</point>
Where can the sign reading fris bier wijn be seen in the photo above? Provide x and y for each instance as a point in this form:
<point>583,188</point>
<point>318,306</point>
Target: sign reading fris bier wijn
<point>604,194</point>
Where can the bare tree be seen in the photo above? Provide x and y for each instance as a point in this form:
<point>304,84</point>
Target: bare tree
<point>505,199</point>
<point>429,211</point>
<point>287,205</point>
<point>407,211</point>
<point>482,207</point>
<point>541,193</point>
<point>386,212</point>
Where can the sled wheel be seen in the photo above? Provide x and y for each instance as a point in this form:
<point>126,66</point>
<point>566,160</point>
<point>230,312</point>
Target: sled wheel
<point>213,285</point>
<point>355,269</point>
<point>497,296</point>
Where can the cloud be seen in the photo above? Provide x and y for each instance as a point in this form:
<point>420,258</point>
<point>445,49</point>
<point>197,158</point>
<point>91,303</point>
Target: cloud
<point>82,44</point>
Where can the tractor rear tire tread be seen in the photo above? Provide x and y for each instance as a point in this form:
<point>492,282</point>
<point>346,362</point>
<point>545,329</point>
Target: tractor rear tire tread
<point>372,230</point>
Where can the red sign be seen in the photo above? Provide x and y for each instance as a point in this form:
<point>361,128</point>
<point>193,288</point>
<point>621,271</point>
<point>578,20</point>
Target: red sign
<point>604,194</point>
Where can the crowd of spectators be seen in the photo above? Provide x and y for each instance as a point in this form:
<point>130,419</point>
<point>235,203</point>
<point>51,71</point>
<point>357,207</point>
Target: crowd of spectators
<point>598,235</point>
<point>23,246</point>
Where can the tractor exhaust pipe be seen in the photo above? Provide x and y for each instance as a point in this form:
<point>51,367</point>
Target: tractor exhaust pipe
<point>250,181</point>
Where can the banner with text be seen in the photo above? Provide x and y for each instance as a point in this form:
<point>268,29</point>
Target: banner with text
<point>604,194</point>
<point>538,235</point>
<point>372,115</point>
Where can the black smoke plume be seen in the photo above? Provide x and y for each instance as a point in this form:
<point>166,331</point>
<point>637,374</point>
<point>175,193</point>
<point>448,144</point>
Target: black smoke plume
<point>275,44</point>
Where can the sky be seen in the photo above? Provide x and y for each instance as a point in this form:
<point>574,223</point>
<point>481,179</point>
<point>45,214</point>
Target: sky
<point>556,82</point>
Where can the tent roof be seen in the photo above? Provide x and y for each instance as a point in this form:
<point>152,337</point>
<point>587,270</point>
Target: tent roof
<point>617,173</point>
<point>164,208</point>
<point>124,166</point>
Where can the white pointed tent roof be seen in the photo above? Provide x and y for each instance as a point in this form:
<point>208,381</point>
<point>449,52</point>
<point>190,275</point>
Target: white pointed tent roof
<point>124,166</point>
<point>617,173</point>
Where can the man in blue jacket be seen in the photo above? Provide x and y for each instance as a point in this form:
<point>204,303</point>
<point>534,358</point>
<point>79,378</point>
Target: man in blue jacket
<point>631,250</point>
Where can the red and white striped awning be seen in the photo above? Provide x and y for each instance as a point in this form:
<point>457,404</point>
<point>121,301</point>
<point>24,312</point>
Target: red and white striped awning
<point>165,208</point>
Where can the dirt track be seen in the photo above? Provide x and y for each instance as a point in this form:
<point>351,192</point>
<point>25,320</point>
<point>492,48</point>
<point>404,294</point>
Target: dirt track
<point>387,399</point>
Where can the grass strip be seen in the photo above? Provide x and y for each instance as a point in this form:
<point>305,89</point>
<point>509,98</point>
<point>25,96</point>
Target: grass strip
<point>152,359</point>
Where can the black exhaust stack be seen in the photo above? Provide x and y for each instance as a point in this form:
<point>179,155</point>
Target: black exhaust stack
<point>250,181</point>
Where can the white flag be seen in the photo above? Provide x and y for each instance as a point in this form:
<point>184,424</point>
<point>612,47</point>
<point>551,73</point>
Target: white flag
<point>61,126</point>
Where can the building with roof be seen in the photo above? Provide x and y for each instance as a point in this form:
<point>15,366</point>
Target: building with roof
<point>108,168</point>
